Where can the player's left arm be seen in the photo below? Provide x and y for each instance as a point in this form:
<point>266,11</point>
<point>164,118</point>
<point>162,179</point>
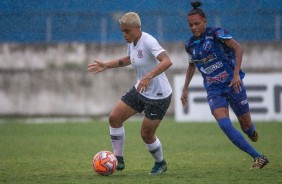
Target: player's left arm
<point>236,81</point>
<point>164,64</point>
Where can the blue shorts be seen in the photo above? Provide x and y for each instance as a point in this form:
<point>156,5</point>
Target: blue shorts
<point>153,109</point>
<point>237,101</point>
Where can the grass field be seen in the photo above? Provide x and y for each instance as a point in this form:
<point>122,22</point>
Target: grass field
<point>195,153</point>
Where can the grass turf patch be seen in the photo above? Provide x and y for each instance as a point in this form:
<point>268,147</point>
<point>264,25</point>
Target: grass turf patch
<point>195,153</point>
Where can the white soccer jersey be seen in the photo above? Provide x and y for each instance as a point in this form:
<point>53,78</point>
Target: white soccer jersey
<point>143,59</point>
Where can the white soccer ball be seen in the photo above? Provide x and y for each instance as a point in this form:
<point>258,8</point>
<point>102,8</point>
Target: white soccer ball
<point>104,163</point>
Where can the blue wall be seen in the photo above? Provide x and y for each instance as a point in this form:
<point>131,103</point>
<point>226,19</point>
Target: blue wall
<point>96,21</point>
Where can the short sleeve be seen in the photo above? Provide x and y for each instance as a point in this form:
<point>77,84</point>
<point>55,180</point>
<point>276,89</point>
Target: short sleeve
<point>222,34</point>
<point>190,60</point>
<point>189,50</point>
<point>153,46</point>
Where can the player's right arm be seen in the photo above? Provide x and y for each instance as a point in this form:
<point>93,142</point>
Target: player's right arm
<point>99,66</point>
<point>189,75</point>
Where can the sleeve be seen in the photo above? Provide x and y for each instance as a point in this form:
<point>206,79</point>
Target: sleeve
<point>222,34</point>
<point>153,46</point>
<point>189,51</point>
<point>128,49</point>
<point>190,60</point>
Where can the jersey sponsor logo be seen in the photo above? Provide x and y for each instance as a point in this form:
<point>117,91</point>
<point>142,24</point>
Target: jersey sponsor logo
<point>211,68</point>
<point>207,59</point>
<point>140,53</point>
<point>218,78</point>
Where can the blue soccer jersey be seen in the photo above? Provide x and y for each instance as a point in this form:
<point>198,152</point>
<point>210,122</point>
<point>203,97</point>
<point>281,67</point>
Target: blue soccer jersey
<point>213,58</point>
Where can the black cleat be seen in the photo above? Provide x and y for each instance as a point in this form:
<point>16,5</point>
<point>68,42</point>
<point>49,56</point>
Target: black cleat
<point>120,165</point>
<point>159,168</point>
<point>254,136</point>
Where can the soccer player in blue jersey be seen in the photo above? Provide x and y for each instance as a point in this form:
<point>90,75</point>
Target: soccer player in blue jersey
<point>218,58</point>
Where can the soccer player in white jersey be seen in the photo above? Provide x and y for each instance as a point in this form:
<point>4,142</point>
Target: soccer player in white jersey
<point>151,93</point>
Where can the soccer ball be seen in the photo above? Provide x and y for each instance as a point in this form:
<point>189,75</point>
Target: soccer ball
<point>104,163</point>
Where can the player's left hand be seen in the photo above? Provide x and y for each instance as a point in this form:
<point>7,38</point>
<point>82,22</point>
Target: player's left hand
<point>143,85</point>
<point>236,83</point>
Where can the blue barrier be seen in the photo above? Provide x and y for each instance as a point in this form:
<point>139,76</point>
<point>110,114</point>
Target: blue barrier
<point>96,21</point>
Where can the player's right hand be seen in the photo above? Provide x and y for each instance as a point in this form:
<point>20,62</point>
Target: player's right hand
<point>96,67</point>
<point>184,99</point>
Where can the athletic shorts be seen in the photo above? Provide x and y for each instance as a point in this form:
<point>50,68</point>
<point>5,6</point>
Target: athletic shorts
<point>154,109</point>
<point>237,101</point>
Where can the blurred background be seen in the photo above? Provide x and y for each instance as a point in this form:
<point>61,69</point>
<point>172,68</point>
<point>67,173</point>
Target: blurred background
<point>46,45</point>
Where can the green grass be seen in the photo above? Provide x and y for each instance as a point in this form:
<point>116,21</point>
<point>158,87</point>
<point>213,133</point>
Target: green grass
<point>195,153</point>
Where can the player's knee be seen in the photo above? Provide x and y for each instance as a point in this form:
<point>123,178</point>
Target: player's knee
<point>147,138</point>
<point>114,120</point>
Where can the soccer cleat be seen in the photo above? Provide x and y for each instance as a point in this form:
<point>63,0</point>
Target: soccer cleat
<point>254,136</point>
<point>120,165</point>
<point>159,168</point>
<point>260,162</point>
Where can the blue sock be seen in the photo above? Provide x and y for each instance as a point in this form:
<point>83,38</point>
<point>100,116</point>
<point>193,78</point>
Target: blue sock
<point>236,137</point>
<point>250,130</point>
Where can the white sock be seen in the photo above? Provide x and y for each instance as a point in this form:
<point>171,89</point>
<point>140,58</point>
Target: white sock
<point>117,138</point>
<point>156,150</point>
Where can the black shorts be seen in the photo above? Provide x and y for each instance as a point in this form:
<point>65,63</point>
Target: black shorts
<point>153,108</point>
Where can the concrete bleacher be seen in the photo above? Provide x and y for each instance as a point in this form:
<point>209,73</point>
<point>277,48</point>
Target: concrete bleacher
<point>96,21</point>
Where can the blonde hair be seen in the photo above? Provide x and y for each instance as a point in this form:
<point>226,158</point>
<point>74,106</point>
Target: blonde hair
<point>131,19</point>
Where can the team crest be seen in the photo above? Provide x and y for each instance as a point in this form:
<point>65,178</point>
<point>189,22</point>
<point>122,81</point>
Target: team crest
<point>140,53</point>
<point>207,46</point>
